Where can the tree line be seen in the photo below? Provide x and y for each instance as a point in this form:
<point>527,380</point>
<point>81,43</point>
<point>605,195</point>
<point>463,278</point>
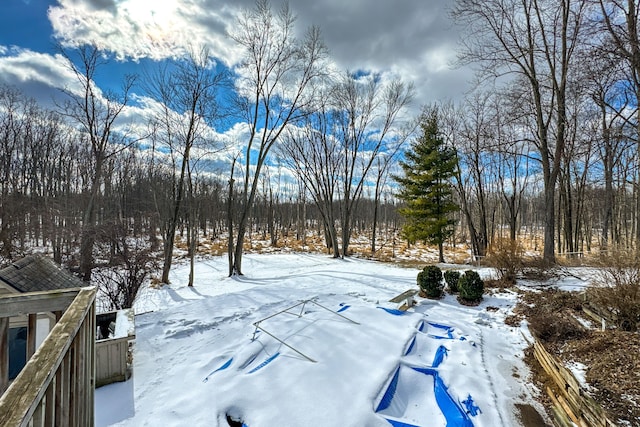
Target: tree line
<point>559,119</point>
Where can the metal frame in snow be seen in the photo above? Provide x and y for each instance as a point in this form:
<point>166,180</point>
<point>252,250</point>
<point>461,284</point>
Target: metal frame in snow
<point>286,310</point>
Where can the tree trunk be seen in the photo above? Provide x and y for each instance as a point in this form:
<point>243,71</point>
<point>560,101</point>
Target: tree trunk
<point>230,244</point>
<point>88,226</point>
<point>192,232</point>
<point>238,250</point>
<point>513,217</point>
<point>346,234</point>
<point>332,238</point>
<point>549,225</point>
<point>170,238</point>
<point>376,202</point>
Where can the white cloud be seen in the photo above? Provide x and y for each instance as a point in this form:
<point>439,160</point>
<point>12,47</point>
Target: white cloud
<point>412,38</point>
<point>24,65</point>
<point>135,29</point>
<point>38,75</point>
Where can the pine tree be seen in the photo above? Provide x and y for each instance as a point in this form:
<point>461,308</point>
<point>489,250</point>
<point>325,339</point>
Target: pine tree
<point>426,187</point>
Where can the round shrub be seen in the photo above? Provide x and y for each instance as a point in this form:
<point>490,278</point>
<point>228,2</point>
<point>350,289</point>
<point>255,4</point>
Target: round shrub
<point>430,281</point>
<point>452,277</point>
<point>471,287</point>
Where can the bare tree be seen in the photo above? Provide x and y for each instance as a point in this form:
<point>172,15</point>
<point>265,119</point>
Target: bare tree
<point>314,155</point>
<point>275,89</point>
<point>95,112</point>
<point>359,123</point>
<point>384,164</point>
<point>620,20</point>
<point>477,136</point>
<point>578,158</point>
<point>367,122</point>
<point>514,166</point>
<point>612,101</point>
<point>187,95</point>
<point>11,132</point>
<point>535,39</point>
<point>133,262</point>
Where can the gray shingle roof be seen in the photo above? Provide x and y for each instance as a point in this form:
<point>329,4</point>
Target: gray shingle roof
<point>38,273</point>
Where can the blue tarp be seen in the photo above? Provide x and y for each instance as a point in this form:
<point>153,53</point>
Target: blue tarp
<point>224,366</point>
<point>446,328</point>
<point>393,311</point>
<point>399,423</point>
<point>453,413</point>
<point>343,308</point>
<point>413,343</point>
<point>441,352</point>
<point>263,364</point>
<point>472,409</point>
<point>391,391</point>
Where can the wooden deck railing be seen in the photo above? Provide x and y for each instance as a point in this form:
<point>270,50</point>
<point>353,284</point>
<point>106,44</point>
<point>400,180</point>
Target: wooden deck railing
<point>56,386</point>
<point>572,405</point>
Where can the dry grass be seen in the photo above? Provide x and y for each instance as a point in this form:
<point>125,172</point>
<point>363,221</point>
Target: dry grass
<point>387,250</point>
<point>618,290</point>
<point>523,258</point>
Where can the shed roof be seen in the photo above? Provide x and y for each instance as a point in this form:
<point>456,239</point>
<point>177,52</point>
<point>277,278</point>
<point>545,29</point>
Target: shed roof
<point>38,273</point>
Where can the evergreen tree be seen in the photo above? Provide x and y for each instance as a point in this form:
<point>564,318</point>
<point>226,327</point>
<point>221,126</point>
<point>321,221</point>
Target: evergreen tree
<point>426,187</point>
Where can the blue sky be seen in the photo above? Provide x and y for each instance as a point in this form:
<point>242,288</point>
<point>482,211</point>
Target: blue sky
<point>24,23</point>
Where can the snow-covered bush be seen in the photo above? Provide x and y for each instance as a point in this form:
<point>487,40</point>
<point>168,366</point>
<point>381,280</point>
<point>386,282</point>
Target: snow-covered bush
<point>430,281</point>
<point>471,287</point>
<point>452,277</point>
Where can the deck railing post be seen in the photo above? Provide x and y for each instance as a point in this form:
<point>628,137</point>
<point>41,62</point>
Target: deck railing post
<point>31,334</point>
<point>50,396</point>
<point>63,392</point>
<point>4,354</point>
<point>91,360</point>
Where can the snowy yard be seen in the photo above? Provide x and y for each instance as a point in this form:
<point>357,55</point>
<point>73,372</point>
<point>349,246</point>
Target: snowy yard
<point>195,362</point>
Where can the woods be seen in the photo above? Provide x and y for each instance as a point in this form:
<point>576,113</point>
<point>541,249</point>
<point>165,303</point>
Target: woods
<point>283,146</point>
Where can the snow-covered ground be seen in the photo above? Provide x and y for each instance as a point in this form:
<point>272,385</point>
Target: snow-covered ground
<point>195,363</point>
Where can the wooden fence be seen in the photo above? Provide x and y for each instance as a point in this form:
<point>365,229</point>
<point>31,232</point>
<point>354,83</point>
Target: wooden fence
<point>111,360</point>
<point>56,386</point>
<point>112,352</point>
<point>571,402</point>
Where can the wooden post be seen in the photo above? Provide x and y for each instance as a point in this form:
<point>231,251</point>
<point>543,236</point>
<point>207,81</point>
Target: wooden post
<point>31,335</point>
<point>91,345</point>
<point>4,354</point>
<point>50,398</point>
<point>63,392</point>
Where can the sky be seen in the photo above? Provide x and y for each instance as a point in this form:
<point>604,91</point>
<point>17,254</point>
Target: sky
<point>413,39</point>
